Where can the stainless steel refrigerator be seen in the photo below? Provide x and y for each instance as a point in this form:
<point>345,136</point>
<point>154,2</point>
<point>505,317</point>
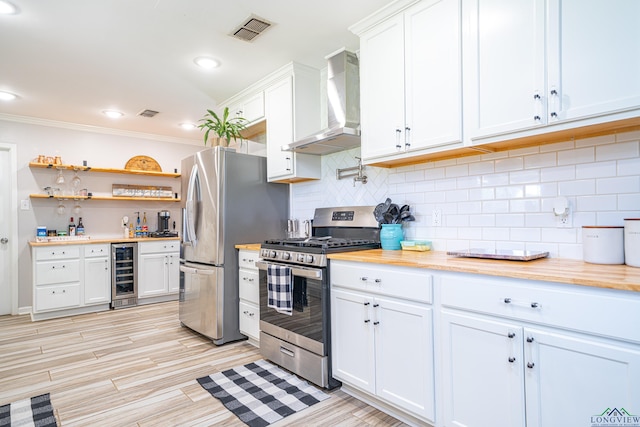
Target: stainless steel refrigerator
<point>226,200</point>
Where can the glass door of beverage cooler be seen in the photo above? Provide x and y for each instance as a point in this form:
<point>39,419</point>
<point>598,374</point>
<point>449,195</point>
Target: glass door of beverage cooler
<point>124,288</point>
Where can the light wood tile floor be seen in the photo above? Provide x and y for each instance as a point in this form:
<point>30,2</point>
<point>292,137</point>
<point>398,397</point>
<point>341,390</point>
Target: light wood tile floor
<point>138,367</point>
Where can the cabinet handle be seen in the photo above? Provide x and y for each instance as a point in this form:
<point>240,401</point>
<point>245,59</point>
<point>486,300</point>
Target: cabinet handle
<point>288,163</point>
<point>536,96</point>
<point>398,132</point>
<point>530,365</point>
<point>367,320</point>
<point>511,335</point>
<point>536,118</point>
<point>554,105</point>
<point>529,339</point>
<point>378,280</point>
<point>376,305</point>
<point>407,138</point>
<point>367,303</point>
<point>535,305</point>
<point>376,322</point>
<point>507,300</point>
<point>512,359</point>
<point>364,279</point>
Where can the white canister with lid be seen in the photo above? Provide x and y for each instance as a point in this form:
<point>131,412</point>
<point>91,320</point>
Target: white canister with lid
<point>603,244</point>
<point>632,241</point>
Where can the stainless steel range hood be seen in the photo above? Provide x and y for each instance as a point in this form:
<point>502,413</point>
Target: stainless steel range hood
<point>343,108</point>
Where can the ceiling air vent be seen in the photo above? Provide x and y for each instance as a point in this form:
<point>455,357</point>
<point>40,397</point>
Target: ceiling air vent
<point>147,113</point>
<point>252,28</point>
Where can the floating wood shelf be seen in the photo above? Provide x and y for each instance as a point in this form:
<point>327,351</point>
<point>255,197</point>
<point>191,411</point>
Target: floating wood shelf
<point>105,170</point>
<point>72,197</point>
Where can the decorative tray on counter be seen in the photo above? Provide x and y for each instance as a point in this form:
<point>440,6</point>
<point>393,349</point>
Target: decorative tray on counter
<point>503,254</point>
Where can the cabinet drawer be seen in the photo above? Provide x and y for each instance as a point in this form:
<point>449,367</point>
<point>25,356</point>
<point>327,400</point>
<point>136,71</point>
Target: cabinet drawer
<point>247,259</point>
<point>410,283</point>
<point>57,252</point>
<point>592,310</point>
<point>96,250</point>
<point>48,272</point>
<point>250,319</point>
<point>160,246</point>
<point>248,282</point>
<point>57,297</point>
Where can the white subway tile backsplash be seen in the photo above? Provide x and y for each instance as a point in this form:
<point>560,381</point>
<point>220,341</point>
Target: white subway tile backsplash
<point>625,184</point>
<point>579,155</point>
<point>497,200</point>
<point>560,173</point>
<point>622,150</point>
<point>577,188</point>
<point>542,160</point>
<point>509,164</point>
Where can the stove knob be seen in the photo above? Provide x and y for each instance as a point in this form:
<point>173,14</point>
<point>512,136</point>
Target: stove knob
<point>300,258</point>
<point>272,254</point>
<point>286,255</point>
<point>309,259</point>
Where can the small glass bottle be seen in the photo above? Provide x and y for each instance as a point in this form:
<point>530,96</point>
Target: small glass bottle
<point>80,228</point>
<point>72,227</point>
<point>145,227</point>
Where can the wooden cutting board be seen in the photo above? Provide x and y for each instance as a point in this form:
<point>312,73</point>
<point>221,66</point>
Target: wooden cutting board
<point>143,163</point>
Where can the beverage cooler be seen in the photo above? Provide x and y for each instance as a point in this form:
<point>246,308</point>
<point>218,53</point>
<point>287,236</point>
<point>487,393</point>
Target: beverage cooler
<point>124,269</point>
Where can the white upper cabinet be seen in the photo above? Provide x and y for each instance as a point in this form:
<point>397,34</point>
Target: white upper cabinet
<point>250,108</point>
<point>292,110</point>
<point>411,81</point>
<point>540,66</point>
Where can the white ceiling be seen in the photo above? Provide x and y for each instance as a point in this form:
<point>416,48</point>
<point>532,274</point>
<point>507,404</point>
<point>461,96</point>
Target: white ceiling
<point>68,60</point>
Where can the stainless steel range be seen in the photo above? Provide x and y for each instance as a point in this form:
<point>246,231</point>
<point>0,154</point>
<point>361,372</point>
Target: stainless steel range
<point>300,341</point>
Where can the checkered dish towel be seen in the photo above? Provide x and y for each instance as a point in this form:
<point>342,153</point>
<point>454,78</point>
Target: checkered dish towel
<point>280,288</point>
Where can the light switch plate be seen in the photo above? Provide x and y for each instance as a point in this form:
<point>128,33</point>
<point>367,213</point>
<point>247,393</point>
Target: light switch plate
<point>25,205</point>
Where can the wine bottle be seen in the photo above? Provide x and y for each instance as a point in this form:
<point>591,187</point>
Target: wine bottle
<point>80,228</point>
<point>145,227</point>
<point>72,227</point>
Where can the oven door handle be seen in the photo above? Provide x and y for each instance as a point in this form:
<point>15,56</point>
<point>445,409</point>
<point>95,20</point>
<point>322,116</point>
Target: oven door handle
<point>300,272</point>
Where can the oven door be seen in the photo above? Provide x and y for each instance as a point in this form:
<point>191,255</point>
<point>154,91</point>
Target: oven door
<point>306,327</point>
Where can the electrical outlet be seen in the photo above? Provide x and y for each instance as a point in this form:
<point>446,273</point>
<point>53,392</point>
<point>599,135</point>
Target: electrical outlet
<point>24,205</point>
<point>436,218</point>
<point>564,221</point>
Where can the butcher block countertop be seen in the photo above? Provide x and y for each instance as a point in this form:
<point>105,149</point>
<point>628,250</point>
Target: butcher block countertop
<point>101,240</point>
<point>561,270</point>
<point>249,246</point>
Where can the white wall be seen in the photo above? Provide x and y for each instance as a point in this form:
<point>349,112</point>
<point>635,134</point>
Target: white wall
<point>500,200</point>
<point>101,218</point>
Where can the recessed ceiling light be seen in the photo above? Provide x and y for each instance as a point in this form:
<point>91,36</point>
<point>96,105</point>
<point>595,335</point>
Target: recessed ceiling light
<point>206,62</point>
<point>7,96</point>
<point>7,8</point>
<point>112,114</point>
<point>187,126</point>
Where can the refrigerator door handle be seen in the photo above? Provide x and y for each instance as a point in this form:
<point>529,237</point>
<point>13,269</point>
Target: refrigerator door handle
<point>190,217</point>
<point>203,271</point>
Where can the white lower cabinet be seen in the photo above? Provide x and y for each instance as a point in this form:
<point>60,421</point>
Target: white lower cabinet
<point>248,278</point>
<point>382,334</point>
<point>70,279</point>
<point>507,359</point>
<point>158,270</point>
<point>97,274</point>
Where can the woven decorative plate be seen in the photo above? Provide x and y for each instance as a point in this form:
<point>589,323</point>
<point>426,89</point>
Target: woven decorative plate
<point>143,163</point>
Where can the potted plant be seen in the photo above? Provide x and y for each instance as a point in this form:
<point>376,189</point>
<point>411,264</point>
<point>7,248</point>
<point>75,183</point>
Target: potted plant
<point>224,128</point>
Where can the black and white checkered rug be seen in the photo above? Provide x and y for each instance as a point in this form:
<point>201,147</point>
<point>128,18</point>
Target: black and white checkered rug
<point>260,393</point>
<point>34,412</point>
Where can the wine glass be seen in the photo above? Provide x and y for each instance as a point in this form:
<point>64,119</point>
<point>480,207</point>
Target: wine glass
<point>60,177</point>
<point>75,183</point>
<point>76,208</point>
<point>61,208</point>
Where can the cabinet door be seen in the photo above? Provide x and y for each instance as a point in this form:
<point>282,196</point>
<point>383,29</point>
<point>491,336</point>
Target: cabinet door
<point>404,355</point>
<point>173,273</point>
<point>483,381</point>
<point>279,113</point>
<point>433,85</point>
<point>503,45</point>
<point>97,280</point>
<point>382,89</point>
<point>594,60</point>
<point>352,339</point>
<point>152,275</point>
<point>570,379</point>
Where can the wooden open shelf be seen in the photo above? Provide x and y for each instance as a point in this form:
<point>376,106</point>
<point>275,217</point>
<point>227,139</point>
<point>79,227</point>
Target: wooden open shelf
<point>128,199</point>
<point>105,170</point>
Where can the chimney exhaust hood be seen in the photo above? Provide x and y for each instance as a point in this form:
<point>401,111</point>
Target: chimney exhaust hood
<point>343,108</point>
